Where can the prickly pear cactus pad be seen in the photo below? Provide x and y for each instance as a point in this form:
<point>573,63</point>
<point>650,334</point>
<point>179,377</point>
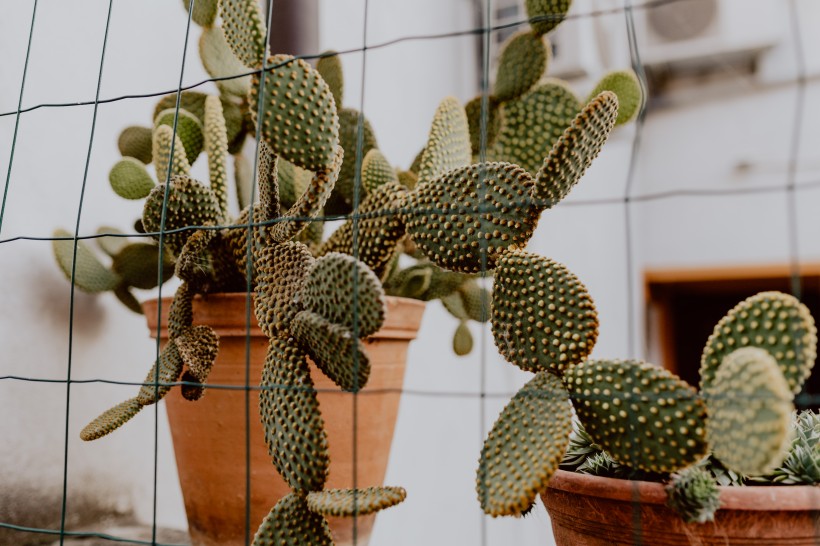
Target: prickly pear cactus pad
<point>542,317</point>
<point>204,11</point>
<point>354,502</point>
<point>579,144</point>
<point>198,347</point>
<point>625,84</point>
<point>343,197</point>
<point>299,119</point>
<point>189,130</point>
<point>642,415</point>
<point>524,447</point>
<point>292,523</point>
<point>245,30</point>
<point>111,420</point>
<point>220,62</point>
<point>522,63</point>
<point>194,102</point>
<point>445,219</point>
<point>750,412</point>
<point>136,142</point>
<point>294,428</point>
<point>545,15</point>
<point>137,265</point>
<point>216,147</point>
<point>376,170</point>
<point>533,123</point>
<point>329,66</point>
<point>281,273</point>
<point>462,339</point>
<point>156,384</point>
<point>163,139</point>
<point>90,275</point>
<point>773,321</point>
<point>474,112</point>
<point>130,179</point>
<point>448,144</point>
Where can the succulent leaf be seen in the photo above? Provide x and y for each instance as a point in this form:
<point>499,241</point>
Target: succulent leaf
<point>522,63</point>
<point>292,523</point>
<point>462,339</point>
<point>216,148</point>
<point>376,171</point>
<point>198,347</point>
<point>475,110</point>
<point>448,145</point>
<point>245,30</point>
<point>343,199</point>
<point>194,102</point>
<point>477,300</point>
<point>354,502</point>
<point>90,275</point>
<point>110,420</point>
<point>220,62</point>
<point>136,142</point>
<point>243,178</point>
<point>130,179</point>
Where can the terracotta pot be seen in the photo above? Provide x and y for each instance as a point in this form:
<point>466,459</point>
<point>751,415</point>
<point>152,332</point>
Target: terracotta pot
<point>591,511</point>
<point>210,436</point>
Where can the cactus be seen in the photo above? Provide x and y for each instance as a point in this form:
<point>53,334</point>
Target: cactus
<point>130,179</point>
<point>352,502</point>
<point>221,63</point>
<point>694,495</point>
<point>545,15</point>
<point>188,129</point>
<point>523,60</point>
<point>136,142</point>
<point>292,523</point>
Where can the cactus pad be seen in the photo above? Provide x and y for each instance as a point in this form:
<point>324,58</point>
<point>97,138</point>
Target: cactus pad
<point>136,142</point>
<point>474,111</point>
<point>181,314</point>
<point>189,131</point>
<point>524,447</point>
<point>281,273</point>
<point>462,339</point>
<point>194,102</point>
<point>299,119</point>
<point>345,291</point>
<point>448,145</point>
<point>773,321</point>
<point>192,388</point>
<point>204,11</point>
<point>245,30</point>
<point>216,147</point>
<point>220,62</point>
<point>354,502</point>
<point>112,240</point>
<point>90,275</point>
<point>477,300</point>
<point>545,15</point>
<point>750,412</point>
<point>110,420</point>
<point>138,265</point>
<point>292,523</point>
<point>170,365</point>
<point>329,67</point>
<point>543,318</point>
<point>642,415</point>
<point>198,347</point>
<point>130,179</point>
<point>376,170</point>
<point>523,61</point>
<point>576,148</point>
<point>625,84</point>
<point>348,140</point>
<point>163,137</point>
<point>294,428</point>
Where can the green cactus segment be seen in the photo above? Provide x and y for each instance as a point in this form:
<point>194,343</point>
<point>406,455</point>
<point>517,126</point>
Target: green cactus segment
<point>408,179</point>
<point>294,428</point>
<point>138,264</point>
<point>750,412</point>
<point>189,204</point>
<point>545,15</point>
<point>334,349</point>
<point>454,304</point>
<point>130,179</point>
<point>198,347</point>
<point>194,102</point>
<point>542,318</point>
<point>477,301</point>
<point>192,388</point>
<point>204,11</point>
<point>349,503</point>
<point>773,321</point>
<point>166,369</point>
<point>189,131</point>
<point>292,523</point>
<point>136,142</point>
<point>310,203</point>
<point>379,228</point>
<point>90,275</point>
<point>625,84</point>
<point>376,171</point>
<point>533,123</point>
<point>181,315</point>
<point>112,241</point>
<point>580,143</point>
<point>216,148</point>
<point>281,273</point>
<point>267,167</point>
<point>299,119</point>
<point>220,62</point>
<point>244,181</point>
<point>163,137</point>
<point>524,447</point>
<point>642,415</point>
<point>343,197</point>
<point>445,220</point>
<point>110,420</point>
<point>412,282</point>
<point>474,112</point>
<point>293,181</point>
<point>448,145</point>
<point>462,340</point>
<point>802,464</point>
<point>194,263</point>
<point>694,495</point>
<point>329,67</point>
<point>245,30</point>
<point>523,62</point>
<point>345,291</point>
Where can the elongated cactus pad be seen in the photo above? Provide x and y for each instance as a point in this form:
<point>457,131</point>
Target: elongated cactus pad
<point>625,84</point>
<point>267,166</point>
<point>111,419</point>
<point>474,110</point>
<point>329,66</point>
<point>542,318</point>
<point>444,216</point>
<point>130,179</point>
<point>376,170</point>
<point>181,314</point>
<point>523,61</point>
<point>292,523</point>
<point>750,412</point>
<point>245,30</point>
<point>545,15</point>
<point>448,145</point>
<point>220,62</point>
<point>204,11</point>
<point>90,274</point>
<point>156,383</point>
<point>216,148</point>
<point>576,148</point>
<point>194,102</point>
<point>243,180</point>
<point>294,428</point>
<point>136,142</point>
<point>524,447</point>
<point>354,502</point>
<point>189,131</point>
<point>281,273</point>
<point>198,347</point>
<point>642,415</point>
<point>138,265</point>
<point>343,199</point>
<point>299,119</point>
<point>533,123</point>
<point>773,321</point>
<point>163,137</point>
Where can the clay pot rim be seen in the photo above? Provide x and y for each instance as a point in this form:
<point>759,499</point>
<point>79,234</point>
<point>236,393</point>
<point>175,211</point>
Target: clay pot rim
<point>753,497</point>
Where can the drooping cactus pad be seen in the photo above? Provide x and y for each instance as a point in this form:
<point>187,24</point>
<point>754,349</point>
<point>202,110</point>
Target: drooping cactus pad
<point>354,502</point>
<point>245,30</point>
<point>294,428</point>
<point>579,144</point>
<point>542,318</point>
<point>90,274</point>
<point>448,144</point>
<point>445,217</point>
<point>299,119</point>
<point>523,61</point>
<point>773,321</point>
<point>750,412</point>
<point>625,84</point>
<point>198,347</point>
<point>524,447</point>
<point>111,419</point>
<point>136,142</point>
<point>642,415</point>
<point>292,523</point>
<point>138,265</point>
<point>545,15</point>
<point>156,384</point>
<point>130,179</point>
